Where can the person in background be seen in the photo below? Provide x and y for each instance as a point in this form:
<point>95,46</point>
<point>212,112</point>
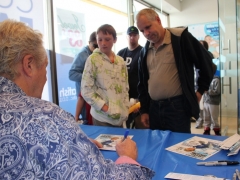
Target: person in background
<point>211,102</point>
<point>205,45</point>
<point>75,74</point>
<point>166,74</point>
<point>213,46</point>
<point>105,81</point>
<point>39,140</point>
<point>199,121</point>
<point>130,55</point>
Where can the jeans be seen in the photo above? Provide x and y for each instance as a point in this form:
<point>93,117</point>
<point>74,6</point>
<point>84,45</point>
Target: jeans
<point>170,114</point>
<point>83,114</point>
<point>199,121</point>
<point>210,114</point>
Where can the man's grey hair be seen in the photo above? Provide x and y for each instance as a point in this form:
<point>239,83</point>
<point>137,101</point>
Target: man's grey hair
<point>149,13</point>
<point>16,41</point>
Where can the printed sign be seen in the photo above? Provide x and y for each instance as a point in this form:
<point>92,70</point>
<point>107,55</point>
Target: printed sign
<point>208,32</point>
<point>70,38</point>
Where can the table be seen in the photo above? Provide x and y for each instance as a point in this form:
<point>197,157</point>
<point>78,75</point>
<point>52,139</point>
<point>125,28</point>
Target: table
<point>151,152</point>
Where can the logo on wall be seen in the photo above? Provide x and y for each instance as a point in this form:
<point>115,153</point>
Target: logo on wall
<point>24,12</point>
<point>71,31</point>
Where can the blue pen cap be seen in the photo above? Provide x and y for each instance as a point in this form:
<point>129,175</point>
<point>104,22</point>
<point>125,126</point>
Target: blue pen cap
<point>126,133</point>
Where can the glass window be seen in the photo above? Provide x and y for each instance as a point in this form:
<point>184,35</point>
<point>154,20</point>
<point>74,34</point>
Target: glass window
<point>136,8</point>
<point>33,13</point>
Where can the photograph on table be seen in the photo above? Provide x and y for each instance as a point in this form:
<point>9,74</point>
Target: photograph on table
<point>109,141</point>
<point>196,147</point>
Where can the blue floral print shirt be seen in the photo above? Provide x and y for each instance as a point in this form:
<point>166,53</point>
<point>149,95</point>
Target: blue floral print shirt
<point>39,140</point>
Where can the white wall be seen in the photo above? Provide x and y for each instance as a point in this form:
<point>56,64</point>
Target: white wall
<point>195,12</point>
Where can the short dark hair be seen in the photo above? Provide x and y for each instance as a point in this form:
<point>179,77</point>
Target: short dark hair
<point>92,37</point>
<point>205,44</point>
<point>107,29</point>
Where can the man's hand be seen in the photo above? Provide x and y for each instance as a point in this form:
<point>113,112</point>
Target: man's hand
<point>145,120</point>
<point>199,96</point>
<point>98,144</point>
<point>127,148</point>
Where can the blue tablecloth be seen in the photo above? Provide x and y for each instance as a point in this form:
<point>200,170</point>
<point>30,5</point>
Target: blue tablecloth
<point>151,152</point>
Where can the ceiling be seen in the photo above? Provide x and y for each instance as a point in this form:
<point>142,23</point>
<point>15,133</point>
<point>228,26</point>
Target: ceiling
<point>168,6</point>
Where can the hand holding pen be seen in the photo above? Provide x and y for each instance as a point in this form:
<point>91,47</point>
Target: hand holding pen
<point>125,135</point>
<point>127,147</point>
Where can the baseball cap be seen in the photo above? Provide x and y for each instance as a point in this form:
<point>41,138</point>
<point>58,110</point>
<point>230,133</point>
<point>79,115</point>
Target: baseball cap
<point>132,29</point>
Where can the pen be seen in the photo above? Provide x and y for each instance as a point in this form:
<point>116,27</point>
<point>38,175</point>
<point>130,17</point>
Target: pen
<point>218,163</point>
<point>238,174</point>
<point>125,135</point>
<point>234,176</point>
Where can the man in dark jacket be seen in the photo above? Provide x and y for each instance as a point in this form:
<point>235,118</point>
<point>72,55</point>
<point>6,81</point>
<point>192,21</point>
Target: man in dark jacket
<point>166,75</point>
<point>130,55</point>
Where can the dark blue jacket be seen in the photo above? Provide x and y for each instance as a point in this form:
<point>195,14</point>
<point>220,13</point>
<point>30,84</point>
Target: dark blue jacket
<point>188,52</point>
<point>76,71</point>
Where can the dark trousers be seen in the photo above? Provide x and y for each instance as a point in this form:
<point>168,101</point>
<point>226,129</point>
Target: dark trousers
<point>130,119</point>
<point>170,114</point>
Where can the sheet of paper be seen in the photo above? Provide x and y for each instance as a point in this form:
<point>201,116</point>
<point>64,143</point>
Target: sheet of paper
<point>229,142</point>
<point>172,175</point>
<point>109,141</point>
<point>196,147</point>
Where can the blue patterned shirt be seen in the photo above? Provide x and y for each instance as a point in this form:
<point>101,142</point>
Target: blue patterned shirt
<point>39,140</point>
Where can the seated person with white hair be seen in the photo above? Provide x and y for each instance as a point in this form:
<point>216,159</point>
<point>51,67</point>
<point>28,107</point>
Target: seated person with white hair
<point>38,139</point>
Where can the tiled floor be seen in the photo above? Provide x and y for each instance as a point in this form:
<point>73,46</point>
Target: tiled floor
<point>229,127</point>
<point>194,130</point>
<point>198,131</point>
